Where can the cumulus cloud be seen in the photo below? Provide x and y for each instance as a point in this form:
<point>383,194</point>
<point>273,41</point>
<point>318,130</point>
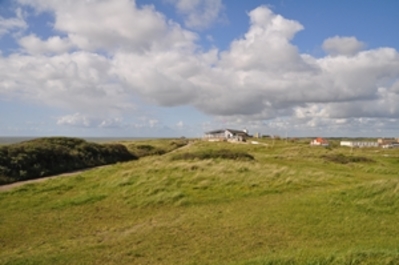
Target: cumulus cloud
<point>113,25</point>
<point>266,46</point>
<point>81,120</point>
<point>104,60</point>
<point>53,45</point>
<point>76,81</point>
<point>198,14</point>
<point>342,46</point>
<point>76,120</point>
<point>8,25</point>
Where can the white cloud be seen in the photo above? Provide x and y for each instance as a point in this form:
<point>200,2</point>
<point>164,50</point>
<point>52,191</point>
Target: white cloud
<point>163,78</point>
<point>8,25</point>
<point>112,123</point>
<point>153,122</point>
<point>114,25</point>
<point>53,45</point>
<point>199,14</point>
<point>76,120</point>
<point>104,62</point>
<point>266,46</point>
<point>77,81</point>
<point>80,120</point>
<point>342,46</point>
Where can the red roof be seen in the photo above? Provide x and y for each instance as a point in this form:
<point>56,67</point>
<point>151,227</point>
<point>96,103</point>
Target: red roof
<point>321,140</point>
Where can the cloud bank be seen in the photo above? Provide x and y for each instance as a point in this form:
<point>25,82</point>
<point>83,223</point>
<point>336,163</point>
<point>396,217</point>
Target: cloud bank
<point>106,55</point>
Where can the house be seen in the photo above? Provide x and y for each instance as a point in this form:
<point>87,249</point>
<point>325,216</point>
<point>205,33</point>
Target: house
<point>226,135</point>
<point>383,141</point>
<point>388,143</point>
<point>392,145</point>
<point>319,142</point>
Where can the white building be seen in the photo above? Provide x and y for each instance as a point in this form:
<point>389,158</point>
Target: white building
<point>319,142</point>
<point>359,144</point>
<point>226,134</point>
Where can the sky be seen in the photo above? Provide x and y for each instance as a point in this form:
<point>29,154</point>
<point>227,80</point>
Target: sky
<point>171,68</point>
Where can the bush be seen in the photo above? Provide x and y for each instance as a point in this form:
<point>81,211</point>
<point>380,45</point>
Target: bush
<point>48,156</point>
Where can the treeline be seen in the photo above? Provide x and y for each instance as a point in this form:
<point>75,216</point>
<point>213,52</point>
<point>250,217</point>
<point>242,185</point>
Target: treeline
<point>48,156</point>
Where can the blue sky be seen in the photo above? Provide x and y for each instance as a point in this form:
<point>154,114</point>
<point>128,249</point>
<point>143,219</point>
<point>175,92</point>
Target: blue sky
<point>181,67</point>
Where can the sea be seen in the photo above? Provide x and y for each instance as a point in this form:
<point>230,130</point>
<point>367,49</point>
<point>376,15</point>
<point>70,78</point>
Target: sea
<point>17,139</point>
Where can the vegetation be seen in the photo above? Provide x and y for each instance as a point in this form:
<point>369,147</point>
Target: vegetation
<point>292,204</point>
<point>154,147</point>
<point>343,159</point>
<point>48,156</point>
<point>213,154</point>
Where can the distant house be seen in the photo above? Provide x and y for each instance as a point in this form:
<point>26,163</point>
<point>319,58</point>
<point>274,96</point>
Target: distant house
<point>226,135</point>
<point>388,143</point>
<point>391,141</point>
<point>319,142</point>
<point>392,145</point>
<point>359,144</point>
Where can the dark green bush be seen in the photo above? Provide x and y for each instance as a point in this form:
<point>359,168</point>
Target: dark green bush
<point>47,156</point>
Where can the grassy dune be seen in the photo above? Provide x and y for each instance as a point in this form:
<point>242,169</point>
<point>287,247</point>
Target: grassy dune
<point>289,204</point>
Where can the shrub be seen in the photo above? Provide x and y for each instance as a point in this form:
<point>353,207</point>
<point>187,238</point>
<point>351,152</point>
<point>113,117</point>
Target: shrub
<point>47,156</point>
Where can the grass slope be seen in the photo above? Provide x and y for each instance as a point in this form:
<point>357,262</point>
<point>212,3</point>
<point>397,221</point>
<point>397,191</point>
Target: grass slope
<point>291,204</point>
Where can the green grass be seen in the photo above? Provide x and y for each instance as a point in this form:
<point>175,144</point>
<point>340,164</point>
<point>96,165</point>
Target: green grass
<point>153,146</point>
<point>289,205</point>
<point>213,154</point>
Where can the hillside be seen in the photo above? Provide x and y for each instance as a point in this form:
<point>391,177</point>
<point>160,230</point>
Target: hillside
<point>213,203</point>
